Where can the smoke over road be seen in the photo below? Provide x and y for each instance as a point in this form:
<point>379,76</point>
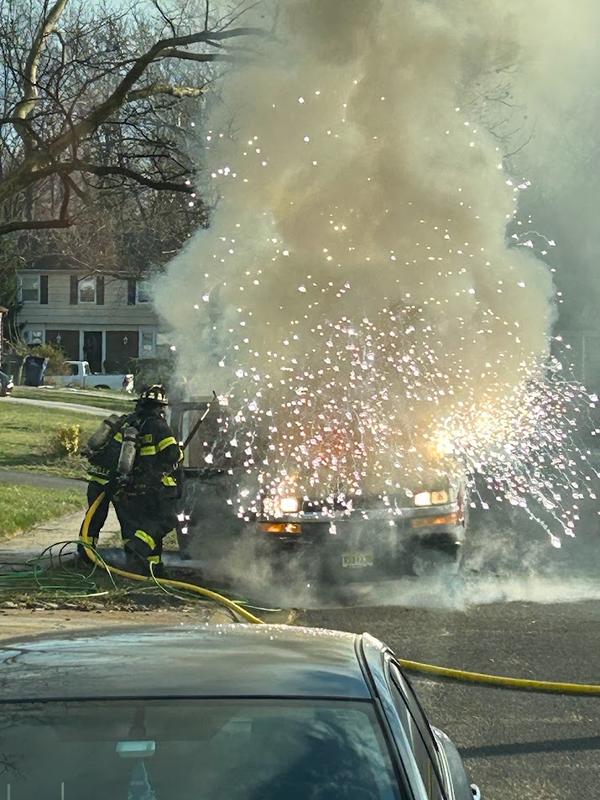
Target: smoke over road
<point>355,292</point>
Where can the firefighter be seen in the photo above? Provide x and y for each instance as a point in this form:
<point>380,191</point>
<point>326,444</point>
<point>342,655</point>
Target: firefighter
<point>147,505</point>
<point>134,460</point>
<point>102,451</point>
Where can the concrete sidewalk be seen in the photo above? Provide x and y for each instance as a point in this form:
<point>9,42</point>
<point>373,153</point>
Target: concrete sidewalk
<point>42,479</point>
<point>24,546</point>
<point>72,407</point>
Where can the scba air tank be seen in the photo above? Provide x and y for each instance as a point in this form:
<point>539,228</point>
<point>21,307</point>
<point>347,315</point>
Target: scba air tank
<point>128,452</point>
<point>103,434</point>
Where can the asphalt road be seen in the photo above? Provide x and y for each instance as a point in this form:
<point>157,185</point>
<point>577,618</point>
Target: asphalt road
<point>515,744</point>
<point>518,608</point>
<point>522,609</point>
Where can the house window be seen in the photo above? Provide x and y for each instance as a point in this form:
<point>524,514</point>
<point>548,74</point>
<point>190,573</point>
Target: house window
<point>30,288</point>
<point>87,290</point>
<point>33,336</point>
<point>147,344</point>
<point>142,291</point>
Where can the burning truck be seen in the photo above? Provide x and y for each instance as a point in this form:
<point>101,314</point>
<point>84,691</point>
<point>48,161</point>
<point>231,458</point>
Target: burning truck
<point>229,513</point>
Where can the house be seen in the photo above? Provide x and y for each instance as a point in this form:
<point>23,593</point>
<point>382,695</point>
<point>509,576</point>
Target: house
<point>106,319</point>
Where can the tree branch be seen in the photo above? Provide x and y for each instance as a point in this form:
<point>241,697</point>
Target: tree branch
<point>119,95</point>
<point>64,205</point>
<point>153,89</point>
<point>169,22</point>
<point>78,191</point>
<point>105,170</point>
<point>76,141</point>
<point>33,225</point>
<point>30,90</point>
<point>187,55</point>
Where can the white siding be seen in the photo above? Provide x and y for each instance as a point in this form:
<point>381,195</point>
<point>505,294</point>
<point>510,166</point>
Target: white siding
<point>115,313</point>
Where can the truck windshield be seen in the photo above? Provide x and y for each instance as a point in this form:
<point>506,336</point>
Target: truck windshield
<point>211,446</point>
<point>201,749</point>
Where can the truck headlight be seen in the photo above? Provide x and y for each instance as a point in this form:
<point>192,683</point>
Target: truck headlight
<point>437,498</point>
<point>289,505</point>
<point>422,499</point>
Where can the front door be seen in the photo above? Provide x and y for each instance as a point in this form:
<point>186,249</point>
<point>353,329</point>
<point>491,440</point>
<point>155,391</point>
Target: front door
<point>92,349</point>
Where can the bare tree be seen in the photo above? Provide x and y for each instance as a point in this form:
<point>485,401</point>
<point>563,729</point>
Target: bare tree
<point>94,102</point>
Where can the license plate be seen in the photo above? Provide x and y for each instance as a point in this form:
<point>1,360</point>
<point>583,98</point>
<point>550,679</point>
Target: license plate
<point>357,560</point>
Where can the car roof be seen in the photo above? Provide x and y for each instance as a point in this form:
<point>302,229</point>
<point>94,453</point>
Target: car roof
<point>208,660</point>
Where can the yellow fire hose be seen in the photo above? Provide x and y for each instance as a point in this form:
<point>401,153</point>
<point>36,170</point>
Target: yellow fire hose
<point>188,587</point>
<point>414,666</point>
<point>501,681</point>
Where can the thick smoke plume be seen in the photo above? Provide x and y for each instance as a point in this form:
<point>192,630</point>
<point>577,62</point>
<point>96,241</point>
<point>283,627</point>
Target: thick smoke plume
<point>355,293</point>
<point>342,157</point>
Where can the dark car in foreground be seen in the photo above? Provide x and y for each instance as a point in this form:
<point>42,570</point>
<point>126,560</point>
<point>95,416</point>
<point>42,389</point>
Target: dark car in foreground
<point>229,712</point>
<point>372,536</point>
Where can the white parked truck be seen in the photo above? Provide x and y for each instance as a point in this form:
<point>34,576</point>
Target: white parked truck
<point>80,376</point>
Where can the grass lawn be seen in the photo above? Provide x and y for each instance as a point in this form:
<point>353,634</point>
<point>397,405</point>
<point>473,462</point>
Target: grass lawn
<point>25,439</point>
<point>113,401</point>
<point>22,507</point>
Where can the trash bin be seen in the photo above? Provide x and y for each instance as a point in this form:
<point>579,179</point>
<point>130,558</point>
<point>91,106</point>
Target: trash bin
<point>13,365</point>
<point>34,369</point>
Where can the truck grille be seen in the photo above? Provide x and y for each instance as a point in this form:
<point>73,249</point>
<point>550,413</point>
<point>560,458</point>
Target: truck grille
<point>357,503</point>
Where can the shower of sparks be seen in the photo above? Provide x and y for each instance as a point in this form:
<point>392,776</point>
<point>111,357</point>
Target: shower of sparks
<point>348,399</point>
<point>378,410</point>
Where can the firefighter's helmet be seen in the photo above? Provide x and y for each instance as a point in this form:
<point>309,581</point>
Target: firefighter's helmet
<point>154,395</point>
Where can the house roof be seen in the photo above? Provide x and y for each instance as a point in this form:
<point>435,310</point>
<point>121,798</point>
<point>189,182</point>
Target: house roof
<point>61,262</point>
<point>53,261</point>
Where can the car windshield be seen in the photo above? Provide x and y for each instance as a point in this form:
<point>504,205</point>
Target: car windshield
<point>200,749</point>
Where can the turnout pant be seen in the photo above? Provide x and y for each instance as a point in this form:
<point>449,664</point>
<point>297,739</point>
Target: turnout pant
<point>94,490</point>
<point>145,521</point>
